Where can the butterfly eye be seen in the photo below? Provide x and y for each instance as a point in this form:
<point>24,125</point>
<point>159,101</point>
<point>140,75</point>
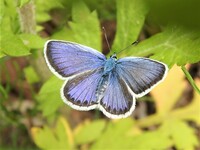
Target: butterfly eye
<point>113,56</point>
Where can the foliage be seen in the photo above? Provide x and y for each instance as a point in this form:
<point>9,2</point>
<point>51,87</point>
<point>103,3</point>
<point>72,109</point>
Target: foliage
<point>175,44</point>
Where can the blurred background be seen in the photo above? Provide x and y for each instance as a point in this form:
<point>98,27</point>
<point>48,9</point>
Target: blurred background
<point>32,114</point>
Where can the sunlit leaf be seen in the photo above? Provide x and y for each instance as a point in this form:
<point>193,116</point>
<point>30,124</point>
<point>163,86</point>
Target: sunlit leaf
<point>89,131</point>
<point>59,137</point>
<point>64,34</point>
<point>49,96</point>
<point>114,135</point>
<point>166,94</point>
<point>12,45</point>
<point>32,41</point>
<point>117,136</point>
<point>150,140</point>
<point>190,112</point>
<point>182,135</point>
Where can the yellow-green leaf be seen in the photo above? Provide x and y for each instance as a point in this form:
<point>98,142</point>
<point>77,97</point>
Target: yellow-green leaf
<point>166,94</point>
<point>82,132</point>
<point>59,137</point>
<point>182,135</point>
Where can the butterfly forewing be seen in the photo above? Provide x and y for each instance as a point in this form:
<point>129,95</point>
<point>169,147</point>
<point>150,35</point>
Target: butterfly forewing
<point>66,58</point>
<point>140,74</point>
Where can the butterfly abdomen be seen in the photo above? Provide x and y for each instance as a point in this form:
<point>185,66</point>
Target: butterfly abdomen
<point>103,83</point>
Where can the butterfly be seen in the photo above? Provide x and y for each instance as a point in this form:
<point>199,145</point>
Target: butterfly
<point>94,82</point>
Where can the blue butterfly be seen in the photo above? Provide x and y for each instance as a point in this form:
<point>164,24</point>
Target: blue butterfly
<point>92,81</point>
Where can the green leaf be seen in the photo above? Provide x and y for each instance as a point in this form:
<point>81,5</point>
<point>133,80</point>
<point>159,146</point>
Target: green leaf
<point>12,45</point>
<point>2,54</point>
<point>3,92</point>
<point>31,75</point>
<point>130,19</point>
<point>117,136</point>
<point>49,96</point>
<point>58,138</point>
<point>32,41</point>
<point>42,17</point>
<point>86,29</point>
<point>182,135</point>
<point>2,8</point>
<point>81,132</point>
<point>79,11</point>
<point>63,34</point>
<point>114,135</point>
<point>190,112</point>
<point>151,139</point>
<point>21,3</point>
<point>43,8</point>
<point>172,46</point>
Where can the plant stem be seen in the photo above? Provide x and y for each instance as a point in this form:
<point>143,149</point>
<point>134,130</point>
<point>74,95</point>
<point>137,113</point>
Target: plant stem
<point>27,18</point>
<point>28,25</point>
<point>187,74</point>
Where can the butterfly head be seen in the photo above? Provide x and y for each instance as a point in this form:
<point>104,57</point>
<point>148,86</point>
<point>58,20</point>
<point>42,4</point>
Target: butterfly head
<point>114,56</point>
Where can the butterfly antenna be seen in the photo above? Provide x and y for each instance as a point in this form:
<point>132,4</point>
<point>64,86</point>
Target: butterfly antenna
<point>105,35</point>
<point>134,43</point>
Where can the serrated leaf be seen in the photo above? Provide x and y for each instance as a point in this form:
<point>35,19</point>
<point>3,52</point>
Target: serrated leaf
<point>32,41</point>
<point>117,136</point>
<point>191,112</point>
<point>86,30</point>
<point>130,19</point>
<point>49,96</point>
<point>58,138</point>
<point>82,135</point>
<point>172,46</point>
<point>182,135</point>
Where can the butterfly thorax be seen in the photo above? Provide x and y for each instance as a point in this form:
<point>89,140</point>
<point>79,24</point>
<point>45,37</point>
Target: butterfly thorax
<point>110,64</point>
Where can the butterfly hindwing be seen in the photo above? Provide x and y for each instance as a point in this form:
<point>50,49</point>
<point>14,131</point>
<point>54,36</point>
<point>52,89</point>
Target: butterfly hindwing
<point>118,101</point>
<point>141,74</point>
<point>66,58</point>
<point>80,91</point>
